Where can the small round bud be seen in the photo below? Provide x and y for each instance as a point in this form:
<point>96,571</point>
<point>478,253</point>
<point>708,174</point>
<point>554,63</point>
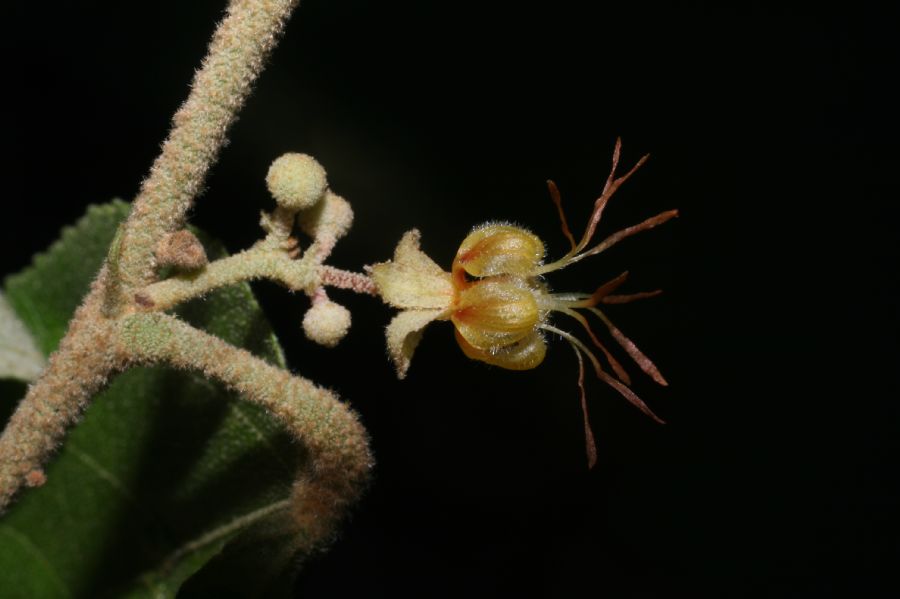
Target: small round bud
<point>296,181</point>
<point>326,323</point>
<point>332,217</point>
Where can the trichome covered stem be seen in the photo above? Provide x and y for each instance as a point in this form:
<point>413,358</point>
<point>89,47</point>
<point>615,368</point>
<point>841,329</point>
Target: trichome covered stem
<point>101,340</point>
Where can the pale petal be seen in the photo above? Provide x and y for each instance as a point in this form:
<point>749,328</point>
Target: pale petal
<point>404,333</point>
<point>412,279</point>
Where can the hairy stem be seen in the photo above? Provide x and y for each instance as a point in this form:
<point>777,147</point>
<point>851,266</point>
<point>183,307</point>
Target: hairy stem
<point>255,263</point>
<point>336,441</point>
<point>236,56</point>
<point>259,262</point>
<point>75,372</point>
<point>81,365</point>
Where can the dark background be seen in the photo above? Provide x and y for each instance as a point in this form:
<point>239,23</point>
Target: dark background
<point>773,130</point>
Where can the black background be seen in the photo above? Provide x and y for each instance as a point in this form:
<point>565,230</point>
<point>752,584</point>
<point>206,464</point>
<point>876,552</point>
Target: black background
<point>772,129</point>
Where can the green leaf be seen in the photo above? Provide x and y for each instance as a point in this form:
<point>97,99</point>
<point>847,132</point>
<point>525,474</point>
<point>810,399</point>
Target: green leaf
<point>165,468</point>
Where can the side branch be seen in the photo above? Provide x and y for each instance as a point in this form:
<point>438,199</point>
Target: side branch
<point>255,263</point>
<point>337,443</point>
<point>236,56</point>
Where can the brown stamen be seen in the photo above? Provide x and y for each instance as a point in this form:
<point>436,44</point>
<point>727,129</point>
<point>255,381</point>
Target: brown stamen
<point>628,232</point>
<point>631,297</point>
<point>589,445</point>
<point>612,184</point>
<point>630,395</point>
<point>615,364</point>
<point>554,195</point>
<point>610,188</point>
<point>627,393</point>
<point>628,345</point>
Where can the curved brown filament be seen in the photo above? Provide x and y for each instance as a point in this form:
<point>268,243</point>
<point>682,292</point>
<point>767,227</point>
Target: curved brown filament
<point>557,200</point>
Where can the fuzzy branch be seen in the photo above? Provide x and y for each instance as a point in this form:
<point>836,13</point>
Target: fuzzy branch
<point>336,441</point>
<point>83,362</point>
<point>78,369</point>
<point>237,52</point>
<point>255,263</point>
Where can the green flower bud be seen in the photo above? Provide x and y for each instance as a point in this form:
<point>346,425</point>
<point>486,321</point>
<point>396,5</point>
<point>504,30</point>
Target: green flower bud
<point>326,323</point>
<point>296,181</point>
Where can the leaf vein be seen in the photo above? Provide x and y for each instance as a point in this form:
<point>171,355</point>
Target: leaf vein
<point>217,534</point>
<point>36,552</point>
<point>101,472</point>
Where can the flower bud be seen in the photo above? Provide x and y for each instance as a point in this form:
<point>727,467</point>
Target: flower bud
<point>326,323</point>
<point>296,181</point>
<point>330,217</point>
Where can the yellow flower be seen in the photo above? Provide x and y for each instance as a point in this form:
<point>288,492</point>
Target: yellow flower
<point>499,304</point>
